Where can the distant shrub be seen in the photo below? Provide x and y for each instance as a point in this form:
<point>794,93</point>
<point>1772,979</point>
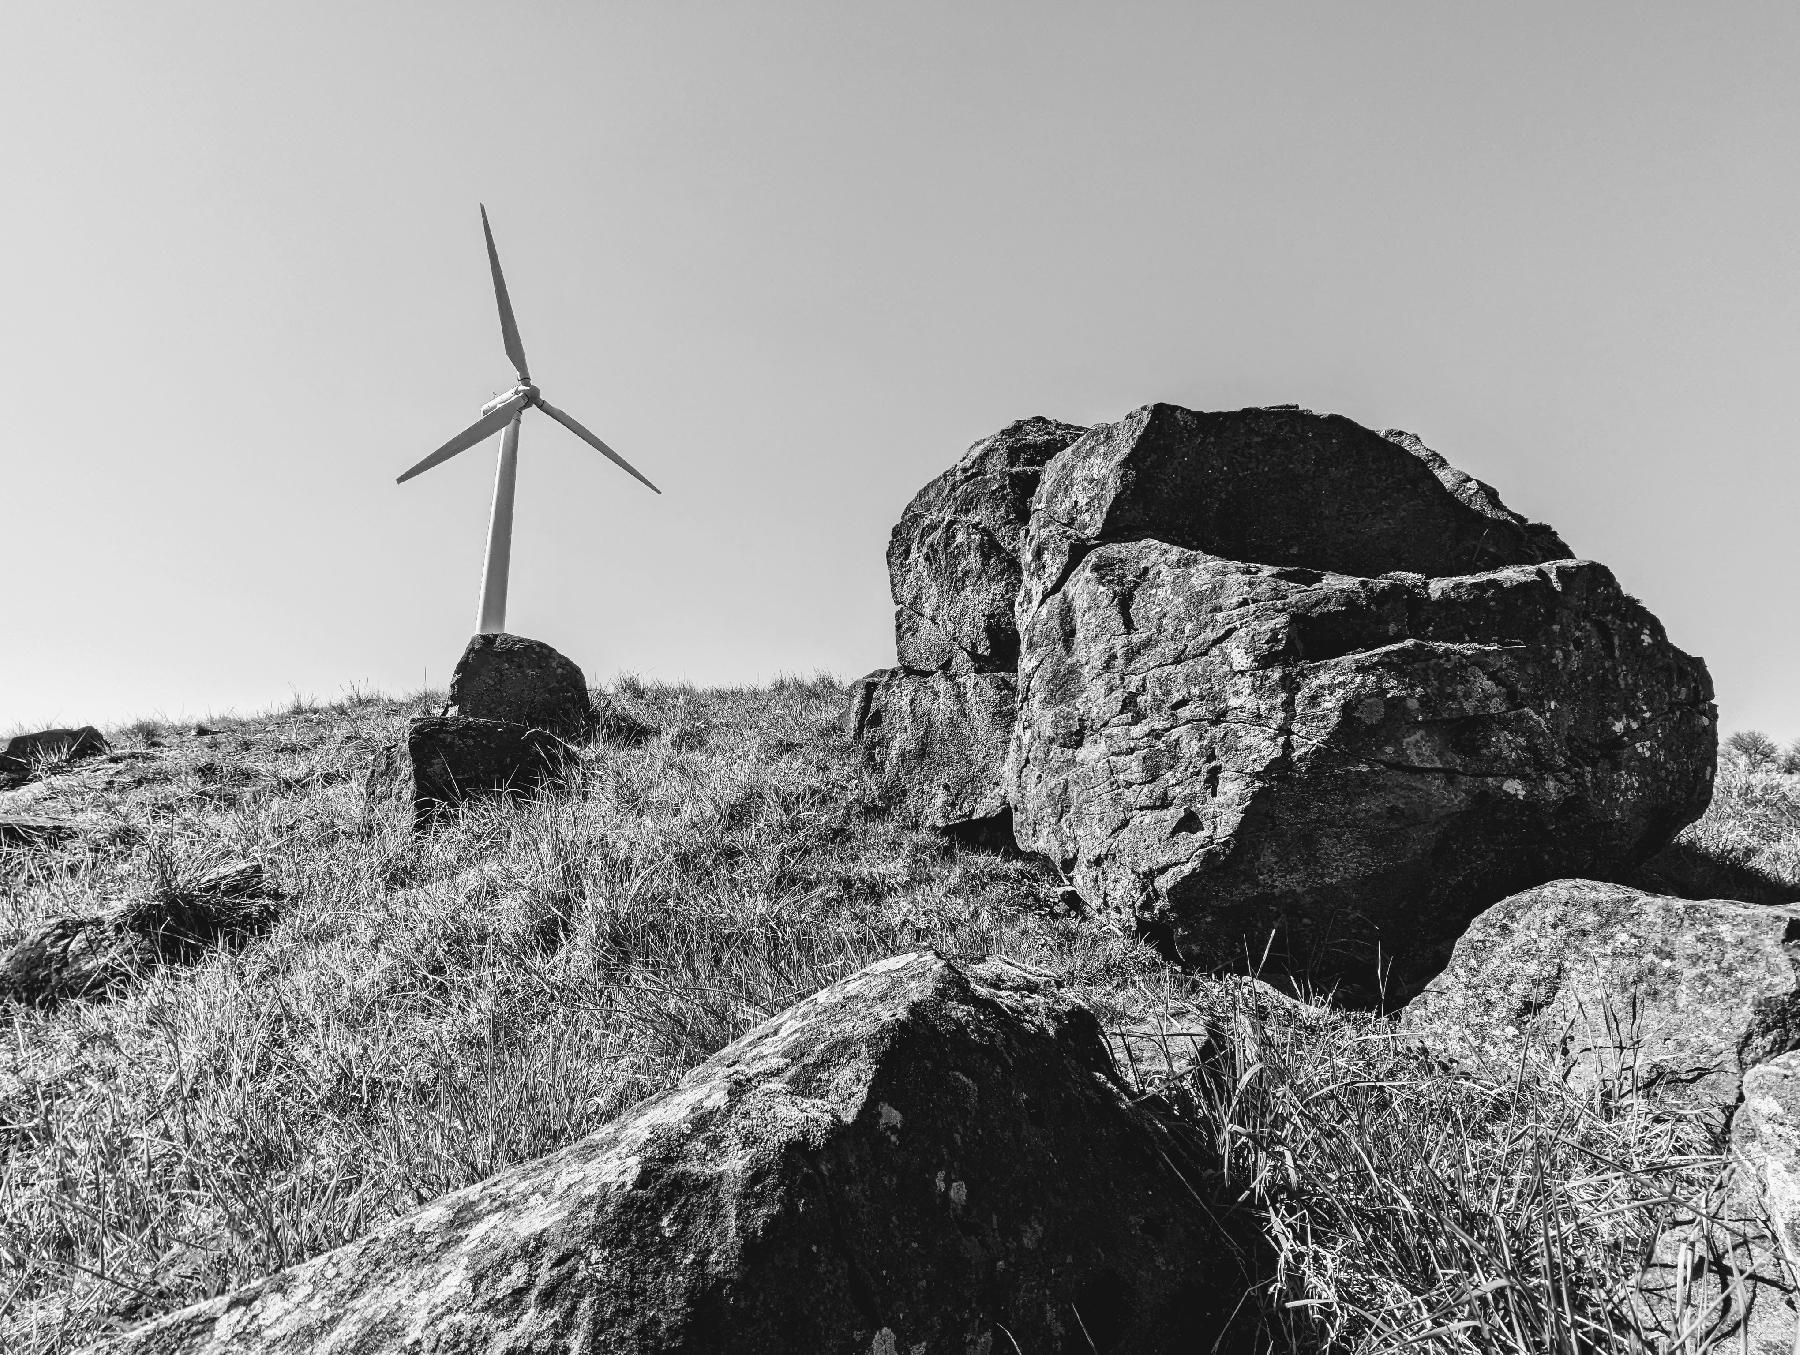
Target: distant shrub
<point>1756,748</point>
<point>1790,760</point>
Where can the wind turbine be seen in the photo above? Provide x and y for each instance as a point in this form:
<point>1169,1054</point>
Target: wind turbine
<point>505,411</point>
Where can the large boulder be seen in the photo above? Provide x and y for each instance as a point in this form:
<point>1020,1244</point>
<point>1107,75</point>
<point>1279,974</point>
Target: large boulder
<point>936,743</point>
<point>922,1157</point>
<point>953,558</point>
<point>456,758</point>
<point>518,681</point>
<point>1292,688</point>
<point>1674,999</point>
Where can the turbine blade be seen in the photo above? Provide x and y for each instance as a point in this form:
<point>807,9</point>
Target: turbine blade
<point>509,327</point>
<point>482,428</point>
<point>594,442</point>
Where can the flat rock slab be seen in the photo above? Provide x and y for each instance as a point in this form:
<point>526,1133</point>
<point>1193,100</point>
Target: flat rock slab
<point>520,681</point>
<point>1677,997</point>
<point>21,830</point>
<point>922,1157</point>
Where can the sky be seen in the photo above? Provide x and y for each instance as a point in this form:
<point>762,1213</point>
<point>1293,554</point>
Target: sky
<point>791,259</point>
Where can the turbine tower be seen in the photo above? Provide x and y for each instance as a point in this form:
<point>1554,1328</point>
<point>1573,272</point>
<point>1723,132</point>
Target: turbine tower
<point>505,411</point>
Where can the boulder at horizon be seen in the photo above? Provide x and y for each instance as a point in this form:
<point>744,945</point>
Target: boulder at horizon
<point>22,752</point>
<point>922,1157</point>
<point>516,680</point>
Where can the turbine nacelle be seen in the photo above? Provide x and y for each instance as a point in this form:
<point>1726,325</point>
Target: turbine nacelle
<point>503,412</point>
<point>525,389</point>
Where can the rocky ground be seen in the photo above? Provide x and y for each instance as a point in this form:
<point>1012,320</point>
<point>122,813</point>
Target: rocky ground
<point>391,1014</point>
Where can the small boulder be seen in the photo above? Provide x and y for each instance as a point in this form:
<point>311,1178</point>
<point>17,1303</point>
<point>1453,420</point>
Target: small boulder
<point>922,1157</point>
<point>1675,998</point>
<point>67,745</point>
<point>228,902</point>
<point>456,758</point>
<point>514,680</point>
<point>936,743</point>
<point>72,957</point>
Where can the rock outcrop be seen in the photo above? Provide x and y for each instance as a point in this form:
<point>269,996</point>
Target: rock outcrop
<point>1279,688</point>
<point>923,1157</point>
<point>1674,999</point>
<point>1291,687</point>
<point>515,680</point>
<point>934,729</point>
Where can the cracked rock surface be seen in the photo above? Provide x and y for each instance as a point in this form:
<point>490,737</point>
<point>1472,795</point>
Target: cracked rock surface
<point>1288,686</point>
<point>922,1157</point>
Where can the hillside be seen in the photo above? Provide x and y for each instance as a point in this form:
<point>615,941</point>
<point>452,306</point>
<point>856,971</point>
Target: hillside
<point>407,1013</point>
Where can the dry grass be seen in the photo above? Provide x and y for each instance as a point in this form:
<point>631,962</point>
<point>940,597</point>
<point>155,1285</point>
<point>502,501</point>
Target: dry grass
<point>429,1009</point>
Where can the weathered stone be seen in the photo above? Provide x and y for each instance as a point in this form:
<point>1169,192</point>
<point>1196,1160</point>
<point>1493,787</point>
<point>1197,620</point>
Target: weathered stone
<point>860,701</point>
<point>229,902</point>
<point>457,758</point>
<point>523,682</point>
<point>67,745</point>
<point>936,744</point>
<point>77,957</point>
<point>1671,998</point>
<point>1248,716</point>
<point>922,1157</point>
<point>953,558</point>
<point>72,957</point>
